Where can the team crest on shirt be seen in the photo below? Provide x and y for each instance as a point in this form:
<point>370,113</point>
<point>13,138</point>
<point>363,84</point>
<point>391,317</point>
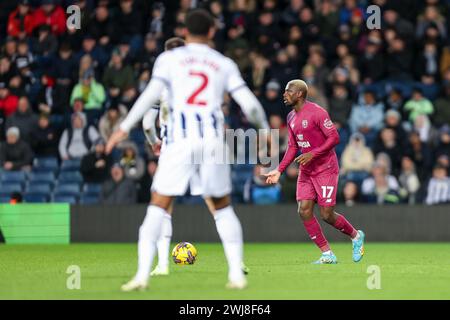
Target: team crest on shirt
<point>327,123</point>
<point>304,123</point>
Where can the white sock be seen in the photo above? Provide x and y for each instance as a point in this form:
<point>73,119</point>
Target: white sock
<point>148,236</point>
<point>163,243</point>
<point>327,252</point>
<point>230,232</point>
<point>356,237</point>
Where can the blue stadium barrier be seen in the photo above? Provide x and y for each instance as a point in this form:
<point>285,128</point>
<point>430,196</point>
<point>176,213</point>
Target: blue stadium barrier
<point>4,199</point>
<point>92,188</point>
<point>47,162</point>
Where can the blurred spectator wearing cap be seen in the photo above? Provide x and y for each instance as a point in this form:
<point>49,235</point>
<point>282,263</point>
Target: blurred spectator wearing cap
<point>8,101</point>
<point>443,148</point>
<point>131,162</point>
<point>409,181</point>
<point>399,60</point>
<point>431,16</point>
<point>367,117</point>
<point>340,105</point>
<point>77,140</point>
<point>21,20</point>
<point>372,61</point>
<point>96,165</point>
<point>97,53</point>
<point>117,76</point>
<point>418,105</point>
<point>442,106</point>
<point>438,189</point>
<point>357,159</point>
<point>131,25</point>
<point>101,27</point>
<point>51,14</point>
<point>44,138</point>
<point>24,118</point>
<point>393,120</point>
<point>271,100</point>
<point>118,189</point>
<point>91,91</point>
<point>45,44</point>
<point>420,153</point>
<point>111,119</point>
<point>15,154</point>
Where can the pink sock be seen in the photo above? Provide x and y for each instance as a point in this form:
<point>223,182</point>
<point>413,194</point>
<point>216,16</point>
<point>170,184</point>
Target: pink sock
<point>314,230</point>
<point>344,226</point>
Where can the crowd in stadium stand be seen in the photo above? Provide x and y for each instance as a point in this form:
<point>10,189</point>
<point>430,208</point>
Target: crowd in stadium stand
<point>63,91</point>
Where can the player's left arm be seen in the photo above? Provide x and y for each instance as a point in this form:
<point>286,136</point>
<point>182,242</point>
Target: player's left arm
<point>326,126</point>
<point>328,129</point>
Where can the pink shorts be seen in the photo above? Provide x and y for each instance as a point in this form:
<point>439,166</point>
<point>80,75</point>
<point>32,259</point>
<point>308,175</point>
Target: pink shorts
<point>321,188</point>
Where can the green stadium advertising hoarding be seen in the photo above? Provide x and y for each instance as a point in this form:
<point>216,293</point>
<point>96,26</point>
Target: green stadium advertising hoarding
<point>35,223</point>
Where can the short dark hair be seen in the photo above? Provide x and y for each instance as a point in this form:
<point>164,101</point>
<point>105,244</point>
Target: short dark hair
<point>173,43</point>
<point>198,22</point>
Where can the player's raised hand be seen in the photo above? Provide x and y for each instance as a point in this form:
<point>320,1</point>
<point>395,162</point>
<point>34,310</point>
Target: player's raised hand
<point>304,158</point>
<point>272,177</point>
<point>115,138</point>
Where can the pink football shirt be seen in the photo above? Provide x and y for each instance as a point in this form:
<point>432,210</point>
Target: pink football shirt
<point>311,130</point>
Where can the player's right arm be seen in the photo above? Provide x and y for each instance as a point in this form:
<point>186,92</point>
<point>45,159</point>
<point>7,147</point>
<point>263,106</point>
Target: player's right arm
<point>149,127</point>
<point>146,100</point>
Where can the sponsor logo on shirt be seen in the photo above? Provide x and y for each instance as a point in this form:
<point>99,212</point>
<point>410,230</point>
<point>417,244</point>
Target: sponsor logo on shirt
<point>304,123</point>
<point>327,123</point>
<point>303,144</point>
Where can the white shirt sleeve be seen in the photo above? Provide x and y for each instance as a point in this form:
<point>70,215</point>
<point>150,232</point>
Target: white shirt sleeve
<point>249,104</point>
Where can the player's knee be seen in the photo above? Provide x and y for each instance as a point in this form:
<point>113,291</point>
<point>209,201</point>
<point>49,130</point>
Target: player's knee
<point>305,210</point>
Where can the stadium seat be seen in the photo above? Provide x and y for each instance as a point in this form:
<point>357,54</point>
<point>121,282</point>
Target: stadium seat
<point>70,189</point>
<point>39,188</point>
<point>65,199</point>
<point>45,164</point>
<point>35,197</point>
<point>42,177</point>
<point>70,177</point>
<point>13,176</point>
<point>9,187</point>
<point>89,199</point>
<point>71,165</point>
<point>92,188</point>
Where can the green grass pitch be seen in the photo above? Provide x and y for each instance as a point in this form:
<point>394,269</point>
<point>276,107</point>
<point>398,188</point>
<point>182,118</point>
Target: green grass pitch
<point>277,271</point>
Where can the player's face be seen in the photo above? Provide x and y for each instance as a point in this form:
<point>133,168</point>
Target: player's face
<point>290,96</point>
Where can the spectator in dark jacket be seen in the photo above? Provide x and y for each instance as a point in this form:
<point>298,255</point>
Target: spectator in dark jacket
<point>101,27</point>
<point>118,189</point>
<point>340,105</point>
<point>117,76</point>
<point>15,154</point>
<point>96,165</point>
<point>24,118</point>
<point>44,138</point>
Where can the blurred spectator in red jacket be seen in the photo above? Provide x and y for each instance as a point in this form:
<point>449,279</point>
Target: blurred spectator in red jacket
<point>51,14</point>
<point>8,102</point>
<point>21,20</point>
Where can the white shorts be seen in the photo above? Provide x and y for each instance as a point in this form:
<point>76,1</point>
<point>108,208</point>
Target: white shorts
<point>179,167</point>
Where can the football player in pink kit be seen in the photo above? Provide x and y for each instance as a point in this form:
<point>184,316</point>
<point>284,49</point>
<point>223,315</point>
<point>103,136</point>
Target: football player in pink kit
<point>312,132</point>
